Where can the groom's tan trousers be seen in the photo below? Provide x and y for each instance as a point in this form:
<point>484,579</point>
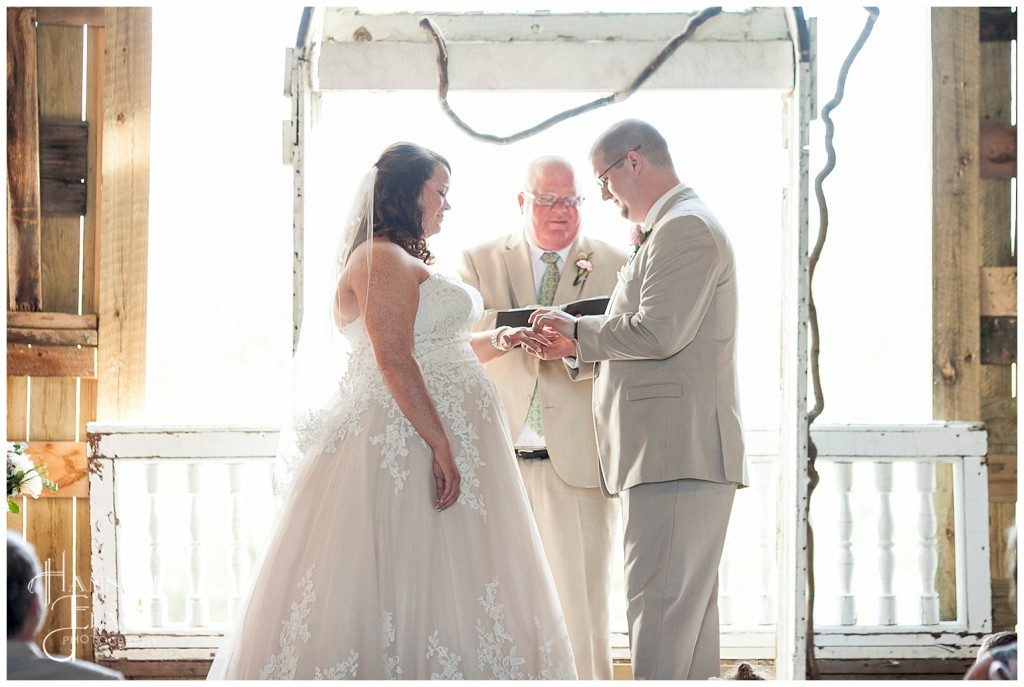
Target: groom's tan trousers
<point>674,533</point>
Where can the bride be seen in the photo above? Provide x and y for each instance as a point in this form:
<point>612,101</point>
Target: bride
<point>405,547</point>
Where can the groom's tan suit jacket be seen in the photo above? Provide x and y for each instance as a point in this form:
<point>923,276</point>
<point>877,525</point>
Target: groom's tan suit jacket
<point>666,401</point>
<point>501,270</point>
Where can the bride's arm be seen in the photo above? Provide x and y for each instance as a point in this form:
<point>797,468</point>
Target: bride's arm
<point>388,302</point>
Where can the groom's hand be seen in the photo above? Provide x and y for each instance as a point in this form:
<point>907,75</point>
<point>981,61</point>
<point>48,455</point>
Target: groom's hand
<point>552,334</point>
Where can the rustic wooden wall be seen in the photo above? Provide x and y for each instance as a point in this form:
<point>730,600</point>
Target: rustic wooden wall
<point>974,264</point>
<point>72,284</point>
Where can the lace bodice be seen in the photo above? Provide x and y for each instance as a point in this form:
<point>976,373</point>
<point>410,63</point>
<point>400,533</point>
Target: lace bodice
<point>447,310</point>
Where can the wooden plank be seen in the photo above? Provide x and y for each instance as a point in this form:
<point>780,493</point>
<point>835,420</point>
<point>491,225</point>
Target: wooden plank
<point>998,340</point>
<point>60,59</point>
<point>94,81</point>
<point>997,24</point>
<point>63,166</point>
<point>52,337</point>
<point>1000,416</point>
<point>17,408</point>
<point>50,529</point>
<point>51,320</point>
<point>955,240</point>
<point>51,361</point>
<point>83,568</point>
<point>956,337</point>
<point>1002,479</point>
<point>998,146</point>
<point>151,670</point>
<point>998,291</point>
<point>66,465</point>
<point>125,202</point>
<point>71,16</point>
<point>23,213</point>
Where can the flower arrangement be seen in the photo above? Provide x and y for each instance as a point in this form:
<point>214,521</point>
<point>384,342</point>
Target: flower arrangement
<point>637,237</point>
<point>583,268</point>
<point>24,476</point>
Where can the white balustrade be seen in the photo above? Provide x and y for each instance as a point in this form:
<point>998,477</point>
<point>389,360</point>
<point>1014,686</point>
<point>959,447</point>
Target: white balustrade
<point>928,555</point>
<point>225,526</point>
<point>886,558</point>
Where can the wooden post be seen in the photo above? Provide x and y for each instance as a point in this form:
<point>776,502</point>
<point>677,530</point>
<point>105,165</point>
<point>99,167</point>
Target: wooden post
<point>956,356</point>
<point>998,407</point>
<point>23,230</point>
<point>125,220</point>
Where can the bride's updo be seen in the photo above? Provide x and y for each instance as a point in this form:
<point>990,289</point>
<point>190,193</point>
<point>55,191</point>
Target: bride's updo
<point>402,170</point>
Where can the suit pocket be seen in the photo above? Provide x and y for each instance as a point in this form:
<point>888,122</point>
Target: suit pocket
<point>638,393</point>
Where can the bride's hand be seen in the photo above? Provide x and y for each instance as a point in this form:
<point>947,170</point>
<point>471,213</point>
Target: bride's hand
<point>447,477</point>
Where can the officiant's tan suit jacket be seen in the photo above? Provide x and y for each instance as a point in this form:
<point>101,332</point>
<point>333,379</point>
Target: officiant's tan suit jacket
<point>665,394</point>
<point>501,270</point>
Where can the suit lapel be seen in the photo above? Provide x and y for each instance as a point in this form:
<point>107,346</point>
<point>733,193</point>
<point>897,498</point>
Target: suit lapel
<point>516,257</point>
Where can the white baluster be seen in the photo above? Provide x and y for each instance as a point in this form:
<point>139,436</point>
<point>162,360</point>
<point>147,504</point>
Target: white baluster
<point>766,537</point>
<point>847,601</point>
<point>157,600</point>
<point>886,559</point>
<point>927,555</point>
<point>239,548</point>
<point>725,585</point>
<point>198,605</point>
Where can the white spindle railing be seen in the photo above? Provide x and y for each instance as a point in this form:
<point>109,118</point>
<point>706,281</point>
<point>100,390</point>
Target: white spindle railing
<point>927,555</point>
<point>217,481</point>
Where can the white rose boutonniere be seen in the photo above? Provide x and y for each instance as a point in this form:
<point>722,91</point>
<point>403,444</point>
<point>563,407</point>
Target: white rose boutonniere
<point>24,476</point>
<point>583,268</point>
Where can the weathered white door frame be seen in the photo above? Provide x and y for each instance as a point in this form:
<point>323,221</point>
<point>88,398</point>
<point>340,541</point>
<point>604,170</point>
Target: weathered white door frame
<point>344,49</point>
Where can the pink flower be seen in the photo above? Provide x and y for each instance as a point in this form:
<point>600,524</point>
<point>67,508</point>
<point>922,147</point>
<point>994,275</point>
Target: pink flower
<point>583,268</point>
<point>636,236</point>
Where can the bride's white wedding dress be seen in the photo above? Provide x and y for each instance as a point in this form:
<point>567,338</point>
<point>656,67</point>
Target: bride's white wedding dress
<point>362,578</point>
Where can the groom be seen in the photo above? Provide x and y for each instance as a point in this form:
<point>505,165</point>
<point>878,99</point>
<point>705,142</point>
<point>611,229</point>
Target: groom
<point>666,405</point>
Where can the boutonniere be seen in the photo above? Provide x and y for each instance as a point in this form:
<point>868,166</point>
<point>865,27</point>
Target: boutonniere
<point>637,237</point>
<point>583,268</point>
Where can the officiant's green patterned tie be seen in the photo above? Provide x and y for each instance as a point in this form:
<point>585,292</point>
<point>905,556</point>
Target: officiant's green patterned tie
<point>546,296</point>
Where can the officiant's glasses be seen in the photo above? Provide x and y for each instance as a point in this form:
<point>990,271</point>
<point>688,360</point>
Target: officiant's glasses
<point>602,178</point>
<point>547,200</point>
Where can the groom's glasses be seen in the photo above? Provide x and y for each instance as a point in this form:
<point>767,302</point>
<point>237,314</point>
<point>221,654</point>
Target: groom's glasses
<point>602,178</point>
<point>547,200</point>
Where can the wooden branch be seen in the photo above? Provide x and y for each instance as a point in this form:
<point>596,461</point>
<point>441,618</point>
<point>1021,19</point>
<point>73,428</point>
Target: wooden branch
<point>50,361</point>
<point>998,148</point>
<point>71,16</point>
<point>63,167</point>
<point>998,291</point>
<point>23,207</point>
<point>617,97</point>
<point>65,464</point>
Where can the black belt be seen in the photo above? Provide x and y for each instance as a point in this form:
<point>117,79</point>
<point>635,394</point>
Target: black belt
<point>539,454</point>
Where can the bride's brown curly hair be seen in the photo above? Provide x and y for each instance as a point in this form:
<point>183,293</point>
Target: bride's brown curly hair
<point>402,169</point>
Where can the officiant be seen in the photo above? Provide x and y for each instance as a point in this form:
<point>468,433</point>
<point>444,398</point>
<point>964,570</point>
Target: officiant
<point>549,262</point>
